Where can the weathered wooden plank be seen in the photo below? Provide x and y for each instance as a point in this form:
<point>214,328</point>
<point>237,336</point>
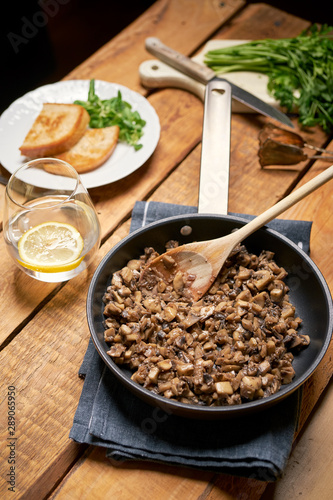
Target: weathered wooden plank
<point>251,189</point>
<point>184,191</point>
<point>308,474</point>
<point>42,362</point>
<point>168,19</point>
<point>40,369</point>
<point>43,359</point>
<point>271,22</point>
<point>133,481</point>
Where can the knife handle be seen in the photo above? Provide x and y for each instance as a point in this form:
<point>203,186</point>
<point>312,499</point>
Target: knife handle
<point>178,61</point>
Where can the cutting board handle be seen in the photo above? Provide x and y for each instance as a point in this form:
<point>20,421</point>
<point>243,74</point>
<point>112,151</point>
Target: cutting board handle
<point>156,74</point>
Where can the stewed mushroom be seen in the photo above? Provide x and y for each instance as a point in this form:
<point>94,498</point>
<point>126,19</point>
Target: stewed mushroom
<point>234,345</point>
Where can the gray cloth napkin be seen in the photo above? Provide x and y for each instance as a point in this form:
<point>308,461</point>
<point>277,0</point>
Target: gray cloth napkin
<point>108,415</point>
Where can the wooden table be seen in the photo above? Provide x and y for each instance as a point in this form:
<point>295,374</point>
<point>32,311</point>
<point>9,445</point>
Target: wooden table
<point>44,333</point>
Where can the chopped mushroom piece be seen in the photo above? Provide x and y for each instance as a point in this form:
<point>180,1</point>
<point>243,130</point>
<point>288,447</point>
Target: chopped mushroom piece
<point>170,312</point>
<point>224,388</point>
<point>249,386</point>
<point>153,374</point>
<point>164,365</point>
<point>178,282</point>
<point>262,278</point>
<point>234,345</point>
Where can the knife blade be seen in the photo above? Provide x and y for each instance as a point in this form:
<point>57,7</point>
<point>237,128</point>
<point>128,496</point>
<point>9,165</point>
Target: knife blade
<point>204,74</point>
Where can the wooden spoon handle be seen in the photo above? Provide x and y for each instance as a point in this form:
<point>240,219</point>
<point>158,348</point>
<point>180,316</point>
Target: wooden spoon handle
<point>284,204</point>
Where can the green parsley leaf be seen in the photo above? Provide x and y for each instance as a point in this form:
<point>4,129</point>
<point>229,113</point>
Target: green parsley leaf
<point>114,111</point>
<point>299,70</point>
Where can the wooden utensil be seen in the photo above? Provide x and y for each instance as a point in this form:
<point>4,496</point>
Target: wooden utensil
<point>195,266</point>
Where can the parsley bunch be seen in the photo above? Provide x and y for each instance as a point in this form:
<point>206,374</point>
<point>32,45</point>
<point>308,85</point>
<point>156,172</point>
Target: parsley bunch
<point>114,111</point>
<point>299,70</point>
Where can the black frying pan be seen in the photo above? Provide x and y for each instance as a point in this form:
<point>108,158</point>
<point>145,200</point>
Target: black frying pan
<point>308,292</point>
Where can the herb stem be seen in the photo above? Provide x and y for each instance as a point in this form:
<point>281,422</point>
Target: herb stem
<point>299,70</point>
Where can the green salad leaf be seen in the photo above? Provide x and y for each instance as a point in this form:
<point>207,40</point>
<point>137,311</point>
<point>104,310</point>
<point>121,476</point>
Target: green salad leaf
<point>299,70</point>
<point>114,111</point>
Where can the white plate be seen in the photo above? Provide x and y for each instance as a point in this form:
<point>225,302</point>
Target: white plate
<point>16,121</point>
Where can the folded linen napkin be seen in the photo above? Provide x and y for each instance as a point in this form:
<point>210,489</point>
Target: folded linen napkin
<point>108,415</point>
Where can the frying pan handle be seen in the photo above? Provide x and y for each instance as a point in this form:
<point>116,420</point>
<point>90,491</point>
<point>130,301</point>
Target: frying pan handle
<point>215,152</point>
<point>178,61</point>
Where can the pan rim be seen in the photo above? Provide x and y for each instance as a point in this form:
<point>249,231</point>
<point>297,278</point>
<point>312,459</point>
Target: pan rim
<point>198,411</point>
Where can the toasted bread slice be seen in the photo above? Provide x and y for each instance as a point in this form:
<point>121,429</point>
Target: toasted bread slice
<point>95,147</point>
<point>57,128</point>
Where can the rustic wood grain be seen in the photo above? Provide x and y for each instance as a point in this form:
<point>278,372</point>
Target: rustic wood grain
<point>221,486</point>
<point>183,191</point>
<point>20,296</point>
<point>308,474</point>
<point>2,198</point>
<point>118,60</point>
<point>108,480</point>
<point>271,23</point>
<point>42,362</point>
<point>66,338</point>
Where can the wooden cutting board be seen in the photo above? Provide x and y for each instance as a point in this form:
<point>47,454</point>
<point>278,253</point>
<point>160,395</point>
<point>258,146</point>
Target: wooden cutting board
<point>156,74</point>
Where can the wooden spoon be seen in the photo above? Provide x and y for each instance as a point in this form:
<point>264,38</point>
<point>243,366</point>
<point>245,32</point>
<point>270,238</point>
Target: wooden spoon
<point>195,266</point>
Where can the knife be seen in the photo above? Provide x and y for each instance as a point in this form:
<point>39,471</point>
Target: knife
<point>203,74</point>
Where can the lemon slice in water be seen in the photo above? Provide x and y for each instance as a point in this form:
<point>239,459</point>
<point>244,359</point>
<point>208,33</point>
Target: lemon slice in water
<point>51,247</point>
